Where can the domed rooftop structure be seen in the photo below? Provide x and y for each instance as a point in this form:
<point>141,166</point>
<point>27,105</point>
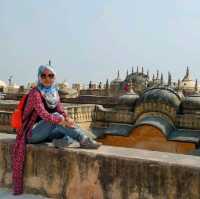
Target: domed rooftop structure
<point>187,82</point>
<point>161,95</point>
<point>191,104</point>
<point>116,80</point>
<point>129,98</point>
<point>137,77</point>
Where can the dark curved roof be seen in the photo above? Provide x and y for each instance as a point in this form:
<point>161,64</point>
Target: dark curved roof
<point>128,99</point>
<point>191,102</point>
<point>165,126</point>
<point>161,94</point>
<point>137,78</point>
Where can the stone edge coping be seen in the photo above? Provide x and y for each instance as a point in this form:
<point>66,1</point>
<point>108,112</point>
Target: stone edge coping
<point>129,154</point>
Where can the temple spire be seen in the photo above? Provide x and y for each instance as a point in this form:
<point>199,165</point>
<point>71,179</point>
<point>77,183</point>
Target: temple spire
<point>132,70</point>
<point>90,84</point>
<point>137,70</point>
<point>148,74</point>
<point>179,85</point>
<point>49,62</point>
<point>142,70</point>
<point>187,71</point>
<point>10,80</point>
<point>187,75</point>
<point>196,86</point>
<point>127,73</point>
<point>161,79</point>
<point>157,75</point>
<point>107,84</point>
<point>118,76</point>
<point>153,78</point>
<point>169,79</point>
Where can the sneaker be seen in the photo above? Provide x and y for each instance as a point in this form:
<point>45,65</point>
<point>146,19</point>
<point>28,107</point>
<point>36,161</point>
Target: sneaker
<point>60,143</point>
<point>88,143</point>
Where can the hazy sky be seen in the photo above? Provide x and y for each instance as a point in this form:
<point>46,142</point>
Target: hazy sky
<point>91,39</point>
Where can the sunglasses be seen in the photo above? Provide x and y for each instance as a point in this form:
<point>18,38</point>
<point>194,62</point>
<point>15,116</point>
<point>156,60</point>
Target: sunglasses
<point>50,76</point>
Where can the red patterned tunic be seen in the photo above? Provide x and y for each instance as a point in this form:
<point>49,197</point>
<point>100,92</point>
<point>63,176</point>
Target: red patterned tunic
<point>33,109</point>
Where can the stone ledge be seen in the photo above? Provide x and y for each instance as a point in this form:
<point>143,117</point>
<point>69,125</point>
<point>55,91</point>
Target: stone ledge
<point>109,172</point>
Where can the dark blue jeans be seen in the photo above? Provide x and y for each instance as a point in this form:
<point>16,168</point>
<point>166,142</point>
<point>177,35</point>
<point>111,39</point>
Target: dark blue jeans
<point>47,131</point>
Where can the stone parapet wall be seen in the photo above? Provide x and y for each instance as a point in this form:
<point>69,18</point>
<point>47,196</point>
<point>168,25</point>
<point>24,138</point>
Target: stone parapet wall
<point>106,173</point>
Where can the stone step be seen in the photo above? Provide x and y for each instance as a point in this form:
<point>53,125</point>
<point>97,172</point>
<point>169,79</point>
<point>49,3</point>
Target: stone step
<point>7,194</point>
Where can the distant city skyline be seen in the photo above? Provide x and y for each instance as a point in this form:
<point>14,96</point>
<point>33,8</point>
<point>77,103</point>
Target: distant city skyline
<point>92,40</point>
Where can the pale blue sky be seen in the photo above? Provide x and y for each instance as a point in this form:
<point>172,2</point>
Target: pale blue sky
<point>91,39</point>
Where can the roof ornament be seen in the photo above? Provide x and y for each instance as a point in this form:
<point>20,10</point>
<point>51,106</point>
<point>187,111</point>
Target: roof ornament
<point>10,80</point>
<point>157,75</point>
<point>161,79</point>
<point>169,79</point>
<point>118,76</point>
<point>107,84</point>
<point>148,74</point>
<point>196,86</point>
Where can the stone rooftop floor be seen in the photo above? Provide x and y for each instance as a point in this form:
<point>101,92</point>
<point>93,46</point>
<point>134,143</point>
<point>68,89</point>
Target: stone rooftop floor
<point>6,194</point>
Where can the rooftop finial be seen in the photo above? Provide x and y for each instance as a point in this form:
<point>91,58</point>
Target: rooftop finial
<point>49,62</point>
<point>107,84</point>
<point>90,84</point>
<point>132,70</point>
<point>148,74</point>
<point>161,79</point>
<point>196,86</point>
<point>187,71</point>
<point>169,79</point>
<point>127,73</point>
<point>10,80</point>
<point>179,84</point>
<point>153,78</point>
<point>142,70</point>
<point>118,77</point>
<point>157,75</point>
<point>137,70</point>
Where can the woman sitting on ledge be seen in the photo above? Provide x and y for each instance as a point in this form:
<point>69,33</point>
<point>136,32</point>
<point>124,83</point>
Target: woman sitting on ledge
<point>44,119</point>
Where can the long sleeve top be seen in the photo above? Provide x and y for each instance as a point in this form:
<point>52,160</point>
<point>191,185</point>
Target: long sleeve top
<point>34,108</point>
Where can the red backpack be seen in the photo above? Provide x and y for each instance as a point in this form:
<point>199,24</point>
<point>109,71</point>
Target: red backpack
<point>16,118</point>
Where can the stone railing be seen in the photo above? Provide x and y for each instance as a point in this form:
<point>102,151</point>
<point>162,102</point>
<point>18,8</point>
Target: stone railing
<point>110,115</point>
<point>8,105</point>
<point>106,173</point>
<point>80,113</point>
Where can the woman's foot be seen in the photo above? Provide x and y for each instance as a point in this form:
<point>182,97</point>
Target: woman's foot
<point>88,143</point>
<point>62,143</point>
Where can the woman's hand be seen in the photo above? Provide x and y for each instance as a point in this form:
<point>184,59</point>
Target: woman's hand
<point>70,122</point>
<point>62,122</point>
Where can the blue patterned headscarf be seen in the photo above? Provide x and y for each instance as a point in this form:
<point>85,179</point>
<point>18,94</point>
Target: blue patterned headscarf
<point>49,93</point>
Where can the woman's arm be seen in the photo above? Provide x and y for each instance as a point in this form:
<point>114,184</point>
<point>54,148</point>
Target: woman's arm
<point>42,112</point>
<point>60,109</point>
